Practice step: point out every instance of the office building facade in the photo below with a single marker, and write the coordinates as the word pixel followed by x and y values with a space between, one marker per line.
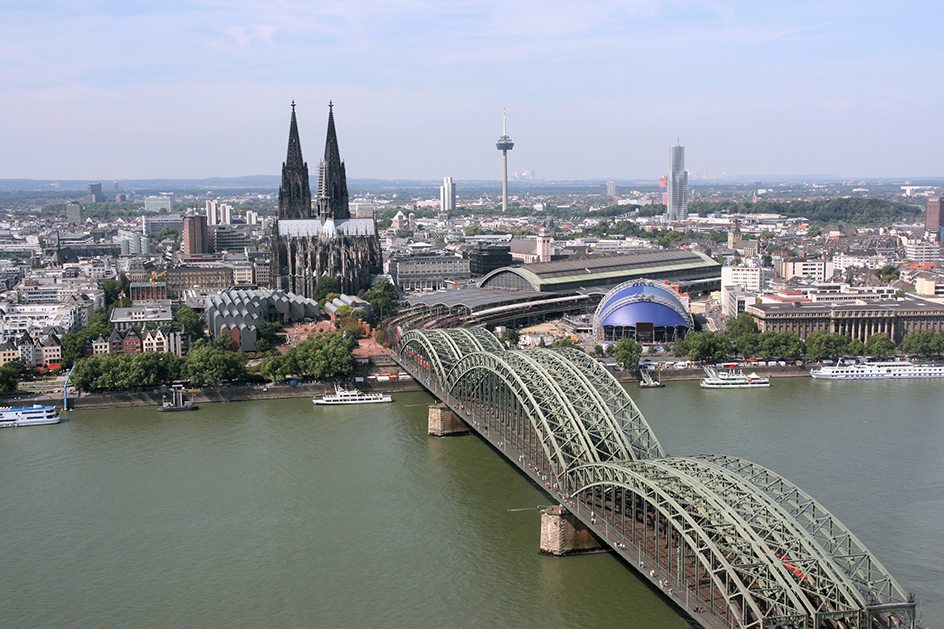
pixel 196 238
pixel 933 219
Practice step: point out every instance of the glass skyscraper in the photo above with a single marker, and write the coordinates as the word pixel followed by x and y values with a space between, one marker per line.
pixel 677 184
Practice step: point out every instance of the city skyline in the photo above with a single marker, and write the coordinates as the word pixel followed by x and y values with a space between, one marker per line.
pixel 107 90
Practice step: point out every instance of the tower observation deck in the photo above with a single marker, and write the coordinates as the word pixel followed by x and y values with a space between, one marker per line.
pixel 504 145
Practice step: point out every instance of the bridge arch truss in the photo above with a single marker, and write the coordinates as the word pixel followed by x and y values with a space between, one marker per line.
pixel 742 543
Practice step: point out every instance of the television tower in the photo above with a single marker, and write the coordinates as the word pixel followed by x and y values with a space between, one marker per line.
pixel 504 145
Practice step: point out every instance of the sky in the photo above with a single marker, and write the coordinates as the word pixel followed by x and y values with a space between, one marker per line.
pixel 109 90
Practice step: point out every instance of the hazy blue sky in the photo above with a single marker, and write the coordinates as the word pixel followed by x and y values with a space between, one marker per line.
pixel 104 90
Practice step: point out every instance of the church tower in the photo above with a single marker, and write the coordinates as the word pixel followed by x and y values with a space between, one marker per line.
pixel 332 180
pixel 295 191
pixel 307 246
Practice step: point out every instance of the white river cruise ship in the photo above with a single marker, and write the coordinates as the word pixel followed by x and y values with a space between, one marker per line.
pixel 889 369
pixel 35 415
pixel 352 396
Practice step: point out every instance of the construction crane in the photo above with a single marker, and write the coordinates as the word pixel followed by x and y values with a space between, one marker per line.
pixel 154 277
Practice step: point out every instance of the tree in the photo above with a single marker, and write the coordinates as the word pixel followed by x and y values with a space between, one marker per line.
pixel 888 273
pixel 748 345
pixel 222 341
pixel 780 345
pixel 566 342
pixel 813 232
pixel 325 286
pixel 381 296
pixel 880 345
pixel 167 232
pixel 627 353
pixel 380 336
pixel 269 332
pixel 736 327
pixel 262 345
pixel 326 356
pixel 699 346
pixel 352 327
pixel 211 364
pixel 822 344
pixel 510 337
pixel 123 371
pixel 113 290
pixel 187 316
pixel 9 378
pixel 923 343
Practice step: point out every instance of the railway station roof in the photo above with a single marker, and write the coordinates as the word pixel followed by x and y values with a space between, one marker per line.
pixel 604 271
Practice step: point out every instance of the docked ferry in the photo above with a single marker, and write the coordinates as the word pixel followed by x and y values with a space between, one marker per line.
pixel 352 396
pixel 889 369
pixel 732 380
pixel 34 415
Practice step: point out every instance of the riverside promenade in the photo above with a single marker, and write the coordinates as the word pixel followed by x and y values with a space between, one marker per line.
pixel 244 393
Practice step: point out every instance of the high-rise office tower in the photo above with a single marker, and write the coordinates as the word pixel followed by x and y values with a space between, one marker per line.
pixel 94 194
pixel 211 212
pixel 934 217
pixel 677 184
pixel 504 145
pixel 447 195
pixel 196 238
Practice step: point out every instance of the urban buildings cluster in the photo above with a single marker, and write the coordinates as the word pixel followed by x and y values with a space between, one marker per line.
pixel 208 252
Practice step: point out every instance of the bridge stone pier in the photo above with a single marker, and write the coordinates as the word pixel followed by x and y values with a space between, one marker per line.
pixel 733 544
pixel 443 422
pixel 562 533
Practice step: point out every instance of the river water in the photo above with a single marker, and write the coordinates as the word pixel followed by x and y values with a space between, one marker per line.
pixel 283 514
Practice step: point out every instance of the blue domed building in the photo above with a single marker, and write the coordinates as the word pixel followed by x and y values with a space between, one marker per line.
pixel 643 310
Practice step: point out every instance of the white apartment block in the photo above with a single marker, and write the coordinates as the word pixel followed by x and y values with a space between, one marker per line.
pixel 36 317
pixel 843 261
pixel 749 277
pixel 819 270
pixel 922 251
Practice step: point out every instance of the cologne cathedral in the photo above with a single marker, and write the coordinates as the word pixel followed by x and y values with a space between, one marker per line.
pixel 309 243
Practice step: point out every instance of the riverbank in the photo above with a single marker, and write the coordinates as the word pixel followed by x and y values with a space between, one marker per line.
pixel 155 397
pixel 245 393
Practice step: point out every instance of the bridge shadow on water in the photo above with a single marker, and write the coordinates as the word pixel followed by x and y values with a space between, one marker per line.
pixel 732 544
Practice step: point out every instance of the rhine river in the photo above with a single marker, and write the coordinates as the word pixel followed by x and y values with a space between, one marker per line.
pixel 283 514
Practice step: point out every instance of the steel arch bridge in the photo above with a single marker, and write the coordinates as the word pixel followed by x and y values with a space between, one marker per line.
pixel 731 542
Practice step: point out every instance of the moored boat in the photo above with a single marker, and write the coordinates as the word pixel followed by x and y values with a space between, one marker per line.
pixel 342 395
pixel 885 369
pixel 732 380
pixel 177 403
pixel 35 415
pixel 647 381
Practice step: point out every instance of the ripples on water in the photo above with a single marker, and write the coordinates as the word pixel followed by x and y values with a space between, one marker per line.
pixel 280 514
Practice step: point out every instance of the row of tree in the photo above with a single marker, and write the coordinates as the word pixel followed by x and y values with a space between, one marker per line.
pixel 854 210
pixel 323 357
pixel 742 337
pixel 205 363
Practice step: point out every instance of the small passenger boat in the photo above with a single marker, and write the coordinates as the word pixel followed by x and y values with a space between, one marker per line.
pixel 342 395
pixel 732 380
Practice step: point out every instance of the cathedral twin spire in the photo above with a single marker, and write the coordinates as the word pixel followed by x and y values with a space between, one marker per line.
pixel 295 191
